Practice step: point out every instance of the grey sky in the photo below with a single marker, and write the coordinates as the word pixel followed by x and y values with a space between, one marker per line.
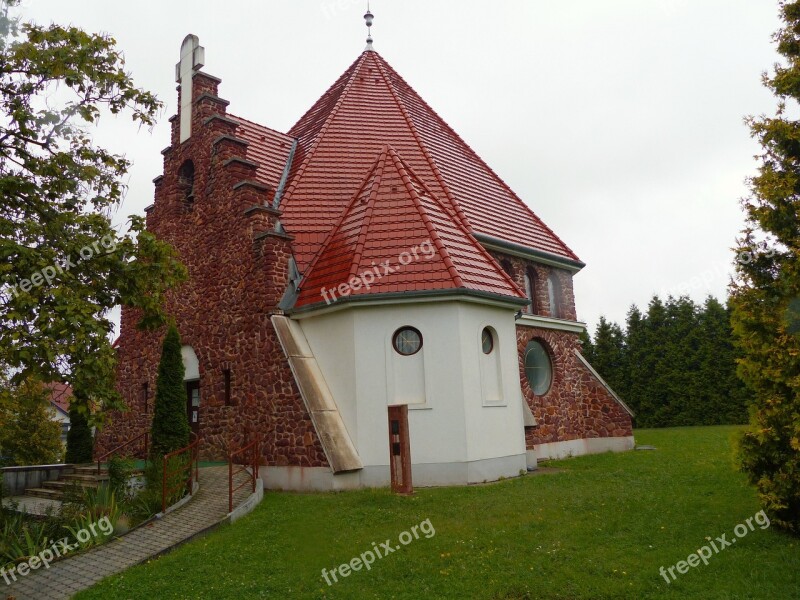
pixel 619 122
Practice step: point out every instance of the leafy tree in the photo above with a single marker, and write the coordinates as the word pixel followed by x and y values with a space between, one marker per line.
pixel 80 441
pixel 765 294
pixel 28 435
pixel 62 264
pixel 170 429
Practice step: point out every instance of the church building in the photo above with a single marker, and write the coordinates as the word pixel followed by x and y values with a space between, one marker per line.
pixel 365 259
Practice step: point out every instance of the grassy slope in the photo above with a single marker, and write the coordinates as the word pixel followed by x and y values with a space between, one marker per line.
pixel 599 529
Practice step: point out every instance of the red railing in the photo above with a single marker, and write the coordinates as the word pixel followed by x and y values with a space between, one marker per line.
pixel 192 466
pixel 145 435
pixel 253 448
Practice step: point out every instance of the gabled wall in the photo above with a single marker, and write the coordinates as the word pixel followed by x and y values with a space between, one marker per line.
pixel 225 234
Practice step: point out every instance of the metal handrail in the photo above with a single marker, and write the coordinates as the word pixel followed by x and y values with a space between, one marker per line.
pixel 145 435
pixel 193 467
pixel 254 460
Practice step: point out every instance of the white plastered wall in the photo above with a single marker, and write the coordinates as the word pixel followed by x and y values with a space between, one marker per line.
pixel 458 434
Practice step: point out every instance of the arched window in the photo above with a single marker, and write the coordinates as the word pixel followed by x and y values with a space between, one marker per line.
pixel 186 180
pixel 530 290
pixel 554 295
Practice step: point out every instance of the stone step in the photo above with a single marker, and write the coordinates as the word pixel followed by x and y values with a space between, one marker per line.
pixel 44 493
pixel 63 485
pixel 82 477
pixel 87 470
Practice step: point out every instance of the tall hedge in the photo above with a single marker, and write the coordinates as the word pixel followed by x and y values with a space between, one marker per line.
pixel 80 441
pixel 170 430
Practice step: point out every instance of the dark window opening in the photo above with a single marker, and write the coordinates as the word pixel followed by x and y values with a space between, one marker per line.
pixel 146 397
pixel 487 340
pixel 531 286
pixel 226 374
pixel 186 181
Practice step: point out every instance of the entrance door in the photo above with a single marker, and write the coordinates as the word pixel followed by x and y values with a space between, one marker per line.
pixel 193 405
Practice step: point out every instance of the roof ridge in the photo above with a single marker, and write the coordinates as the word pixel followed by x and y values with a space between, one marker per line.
pixel 328 119
pixel 475 155
pixel 405 175
pixel 465 230
pixel 324 245
pixel 456 207
pixel 373 195
pixel 257 124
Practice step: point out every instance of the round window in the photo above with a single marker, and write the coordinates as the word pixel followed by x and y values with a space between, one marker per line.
pixel 538 368
pixel 407 341
pixel 487 341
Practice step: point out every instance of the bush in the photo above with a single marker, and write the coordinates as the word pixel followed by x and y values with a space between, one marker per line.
pixel 120 470
pixel 80 442
pixel 28 434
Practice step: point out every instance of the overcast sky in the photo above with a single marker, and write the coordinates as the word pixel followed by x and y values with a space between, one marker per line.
pixel 619 123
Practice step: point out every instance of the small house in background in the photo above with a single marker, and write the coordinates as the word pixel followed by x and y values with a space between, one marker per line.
pixel 60 396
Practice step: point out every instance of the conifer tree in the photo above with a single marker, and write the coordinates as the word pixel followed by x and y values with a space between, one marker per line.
pixel 608 352
pixel 170 429
pixel 767 291
pixel 637 352
pixel 587 348
pixel 80 441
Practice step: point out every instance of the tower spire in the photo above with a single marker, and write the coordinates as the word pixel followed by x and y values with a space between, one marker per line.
pixel 368 17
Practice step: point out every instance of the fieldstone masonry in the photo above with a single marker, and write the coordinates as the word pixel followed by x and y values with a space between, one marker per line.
pixel 224 230
pixel 211 206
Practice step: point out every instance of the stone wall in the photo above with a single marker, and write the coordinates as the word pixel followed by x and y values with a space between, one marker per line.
pixel 225 233
pixel 577 405
pixel 517 267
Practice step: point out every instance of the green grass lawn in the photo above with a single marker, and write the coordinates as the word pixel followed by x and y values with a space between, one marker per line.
pixel 599 528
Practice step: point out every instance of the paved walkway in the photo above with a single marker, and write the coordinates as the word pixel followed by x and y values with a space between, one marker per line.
pixel 67 577
pixel 33 505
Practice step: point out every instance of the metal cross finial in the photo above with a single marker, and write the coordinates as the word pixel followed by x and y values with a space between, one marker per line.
pixel 368 17
pixel 192 59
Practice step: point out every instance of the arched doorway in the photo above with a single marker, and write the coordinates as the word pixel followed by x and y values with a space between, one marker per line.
pixel 191 379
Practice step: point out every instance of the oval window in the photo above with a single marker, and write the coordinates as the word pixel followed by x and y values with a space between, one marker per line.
pixel 538 368
pixel 487 341
pixel 407 341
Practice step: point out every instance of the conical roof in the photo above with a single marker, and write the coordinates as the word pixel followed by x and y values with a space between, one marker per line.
pixel 369 107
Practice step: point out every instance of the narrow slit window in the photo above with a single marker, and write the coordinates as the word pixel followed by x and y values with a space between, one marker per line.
pixel 226 376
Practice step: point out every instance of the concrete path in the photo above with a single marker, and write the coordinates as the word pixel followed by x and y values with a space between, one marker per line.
pixel 69 576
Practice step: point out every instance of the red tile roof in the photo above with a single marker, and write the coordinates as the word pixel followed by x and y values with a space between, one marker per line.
pixel 396 236
pixel 371 106
pixel 268 148
pixel 60 395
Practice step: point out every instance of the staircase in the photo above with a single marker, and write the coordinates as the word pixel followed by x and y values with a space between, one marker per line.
pixel 78 477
